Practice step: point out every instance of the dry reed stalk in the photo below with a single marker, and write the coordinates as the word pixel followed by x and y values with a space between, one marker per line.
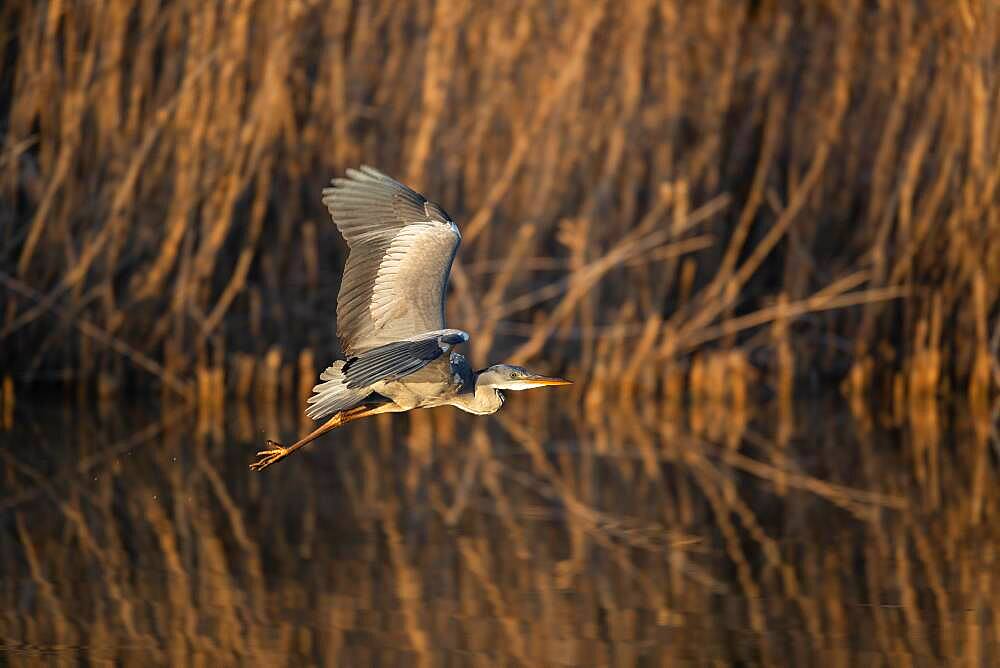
pixel 485 324
pixel 95 333
pixel 979 374
pixel 243 374
pixel 855 501
pixel 307 378
pixel 268 380
pixel 111 572
pixel 62 630
pixel 582 281
pixel 438 68
pixel 267 386
pixel 409 584
pixel 785 366
pixel 818 302
pixel 7 401
pixel 182 620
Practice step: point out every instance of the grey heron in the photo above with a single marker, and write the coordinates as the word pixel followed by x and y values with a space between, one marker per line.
pixel 390 315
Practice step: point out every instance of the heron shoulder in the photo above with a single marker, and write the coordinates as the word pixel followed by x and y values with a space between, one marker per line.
pixel 462 373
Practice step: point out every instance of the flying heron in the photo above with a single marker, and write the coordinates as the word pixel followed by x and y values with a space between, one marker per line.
pixel 390 315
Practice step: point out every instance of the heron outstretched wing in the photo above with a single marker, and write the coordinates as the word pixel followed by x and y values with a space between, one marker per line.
pixel 401 250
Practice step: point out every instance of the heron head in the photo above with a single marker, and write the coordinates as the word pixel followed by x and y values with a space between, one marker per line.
pixel 510 377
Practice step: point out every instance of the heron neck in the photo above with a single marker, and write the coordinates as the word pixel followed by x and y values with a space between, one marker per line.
pixel 485 400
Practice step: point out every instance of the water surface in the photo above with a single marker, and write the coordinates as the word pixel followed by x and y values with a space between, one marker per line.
pixel 543 535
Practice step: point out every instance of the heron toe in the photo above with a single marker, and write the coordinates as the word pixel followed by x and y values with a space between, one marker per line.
pixel 268 457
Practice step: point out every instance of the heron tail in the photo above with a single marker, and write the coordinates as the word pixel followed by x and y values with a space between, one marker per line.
pixel 333 395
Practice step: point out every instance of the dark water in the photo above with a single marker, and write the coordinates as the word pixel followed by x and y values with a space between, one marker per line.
pixel 544 535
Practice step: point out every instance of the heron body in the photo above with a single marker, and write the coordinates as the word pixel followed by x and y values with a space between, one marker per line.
pixel 444 382
pixel 390 315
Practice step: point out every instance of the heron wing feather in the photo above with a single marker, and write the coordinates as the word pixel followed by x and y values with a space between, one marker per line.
pixel 400 358
pixel 333 395
pixel 401 250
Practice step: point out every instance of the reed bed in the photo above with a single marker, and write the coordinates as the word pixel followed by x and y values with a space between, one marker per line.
pixel 808 191
pixel 806 537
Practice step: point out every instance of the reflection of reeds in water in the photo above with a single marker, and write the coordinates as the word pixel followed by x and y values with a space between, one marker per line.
pixel 668 175
pixel 631 536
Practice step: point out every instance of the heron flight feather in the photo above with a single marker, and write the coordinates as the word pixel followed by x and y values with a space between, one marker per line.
pixel 401 250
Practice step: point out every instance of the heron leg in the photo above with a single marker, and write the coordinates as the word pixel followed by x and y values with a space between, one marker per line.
pixel 276 451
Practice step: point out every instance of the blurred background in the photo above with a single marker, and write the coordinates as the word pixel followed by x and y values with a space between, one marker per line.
pixel 763 237
pixel 651 182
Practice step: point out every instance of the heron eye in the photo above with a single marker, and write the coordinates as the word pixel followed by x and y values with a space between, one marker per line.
pixel 513 375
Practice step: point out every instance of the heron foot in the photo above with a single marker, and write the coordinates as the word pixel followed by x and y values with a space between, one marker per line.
pixel 267 457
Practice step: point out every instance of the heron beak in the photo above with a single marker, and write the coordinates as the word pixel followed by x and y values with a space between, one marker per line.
pixel 545 381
